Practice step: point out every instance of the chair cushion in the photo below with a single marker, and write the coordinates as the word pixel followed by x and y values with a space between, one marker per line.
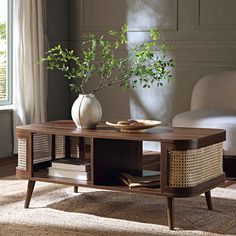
pixel 211 118
pixel 215 91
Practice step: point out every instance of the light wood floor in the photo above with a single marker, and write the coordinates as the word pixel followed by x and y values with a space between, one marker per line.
pixel 150 161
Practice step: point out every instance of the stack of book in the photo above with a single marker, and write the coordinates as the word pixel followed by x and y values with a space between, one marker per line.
pixel 148 178
pixel 70 168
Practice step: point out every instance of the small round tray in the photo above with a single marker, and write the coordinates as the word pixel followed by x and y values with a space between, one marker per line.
pixel 140 126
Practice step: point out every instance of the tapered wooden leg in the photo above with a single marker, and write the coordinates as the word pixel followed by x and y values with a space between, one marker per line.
pixel 29 192
pixel 75 189
pixel 209 200
pixel 170 209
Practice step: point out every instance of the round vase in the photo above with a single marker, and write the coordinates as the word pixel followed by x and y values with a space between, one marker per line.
pixel 86 111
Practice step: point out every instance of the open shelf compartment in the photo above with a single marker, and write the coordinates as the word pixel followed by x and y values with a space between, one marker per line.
pixel 108 159
pixel 37 152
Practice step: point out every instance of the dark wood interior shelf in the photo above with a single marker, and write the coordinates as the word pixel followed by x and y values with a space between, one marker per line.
pixel 44 177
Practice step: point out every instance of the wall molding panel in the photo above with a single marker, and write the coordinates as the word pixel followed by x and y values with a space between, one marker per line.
pixel 203 35
pixel 221 17
pixel 201 64
pixel 139 14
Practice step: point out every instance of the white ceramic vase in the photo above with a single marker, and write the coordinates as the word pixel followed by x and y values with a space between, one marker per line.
pixel 86 111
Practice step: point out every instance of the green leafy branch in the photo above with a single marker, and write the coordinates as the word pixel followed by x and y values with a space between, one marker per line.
pixel 3 31
pixel 145 64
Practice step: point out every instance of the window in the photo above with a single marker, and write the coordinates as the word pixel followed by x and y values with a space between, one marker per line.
pixel 5 52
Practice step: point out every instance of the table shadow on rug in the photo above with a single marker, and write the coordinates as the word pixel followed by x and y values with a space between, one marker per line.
pixel 190 213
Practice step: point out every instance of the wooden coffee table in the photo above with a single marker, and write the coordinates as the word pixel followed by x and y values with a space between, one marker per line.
pixel 191 159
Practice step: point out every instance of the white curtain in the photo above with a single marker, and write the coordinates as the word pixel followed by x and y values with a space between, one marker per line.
pixel 29 76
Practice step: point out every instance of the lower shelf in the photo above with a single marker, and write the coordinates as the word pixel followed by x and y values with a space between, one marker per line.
pixel 43 176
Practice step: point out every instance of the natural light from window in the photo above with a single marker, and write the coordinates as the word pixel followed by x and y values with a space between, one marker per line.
pixel 4 54
pixel 141 15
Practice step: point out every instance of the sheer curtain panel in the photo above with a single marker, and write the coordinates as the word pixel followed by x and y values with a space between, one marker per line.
pixel 29 76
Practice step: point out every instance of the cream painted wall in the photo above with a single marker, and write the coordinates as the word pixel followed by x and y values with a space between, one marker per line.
pixel 203 33
pixel 58 103
pixel 203 36
pixel 6 133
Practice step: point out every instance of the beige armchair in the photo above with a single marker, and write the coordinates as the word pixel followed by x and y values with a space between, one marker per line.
pixel 213 105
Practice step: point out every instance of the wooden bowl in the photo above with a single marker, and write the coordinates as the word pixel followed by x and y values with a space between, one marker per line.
pixel 137 126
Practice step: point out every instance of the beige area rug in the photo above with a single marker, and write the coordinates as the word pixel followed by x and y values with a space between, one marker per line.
pixel 56 210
